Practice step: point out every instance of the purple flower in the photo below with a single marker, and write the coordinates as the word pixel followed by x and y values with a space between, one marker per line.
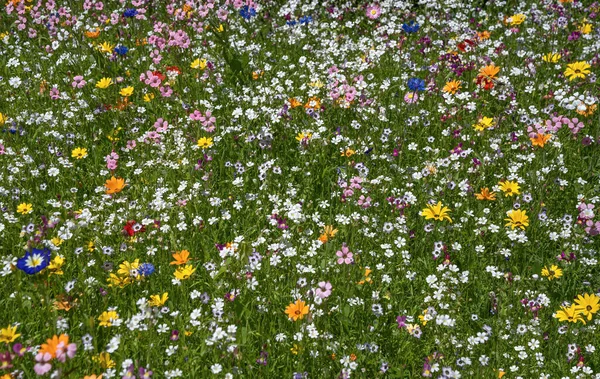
pixel 401 320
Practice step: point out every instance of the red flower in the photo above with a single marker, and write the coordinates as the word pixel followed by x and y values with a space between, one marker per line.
pixel 174 68
pixel 160 75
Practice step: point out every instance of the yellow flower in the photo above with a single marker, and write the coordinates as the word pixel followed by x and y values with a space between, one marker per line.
pixel 126 92
pixel 105 361
pixel 437 212
pixel 158 300
pixel 108 318
pixel 570 314
pixel 348 153
pixel 2 119
pixel 516 19
pixel 452 86
pixel 586 28
pixel 304 136
pixel 297 310
pixel 129 269
pixel 56 264
pixel 8 334
pixel 183 273
pixel 517 219
pixel 483 124
pixel 148 97
pixel 104 83
pixel 119 281
pixel 79 153
pixel 551 57
pixel 198 64
pixel 422 317
pixel 587 305
pixel 205 142
pixel 509 188
pixel 577 70
pixel 106 47
pixel 220 28
pixel 114 185
pixel 24 208
pixel 554 272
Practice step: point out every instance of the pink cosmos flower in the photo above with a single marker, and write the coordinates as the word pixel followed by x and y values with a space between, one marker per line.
pixel 324 290
pixel 344 255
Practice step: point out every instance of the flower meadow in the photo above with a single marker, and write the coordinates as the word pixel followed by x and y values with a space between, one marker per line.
pixel 299 189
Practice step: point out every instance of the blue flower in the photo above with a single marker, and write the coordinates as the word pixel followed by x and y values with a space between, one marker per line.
pixel 34 261
pixel 130 12
pixel 146 269
pixel 411 27
pixel 416 84
pixel 247 12
pixel 305 20
pixel 121 50
pixel 291 22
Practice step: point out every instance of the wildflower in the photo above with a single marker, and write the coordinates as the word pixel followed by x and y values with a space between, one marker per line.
pixel 577 70
pixel 294 103
pixel 540 139
pixel 328 232
pixel 2 119
pixel 553 273
pixel 92 34
pixel 114 185
pixel 303 136
pixel 515 20
pixel 484 123
pixel 129 269
pixel 198 64
pixel 344 255
pixel 570 314
pixel 437 212
pixel 34 261
pixel 24 208
pixel 373 11
pixel 588 305
pixel 54 345
pixel 106 47
pixel 416 84
pixel 183 273
pixel 107 318
pixel 104 83
pixel 181 257
pixel 586 28
pixel 489 71
pixel 297 310
pixel 411 97
pixel 205 142
pixel 8 334
pixel 324 290
pixel 551 57
pixel 517 219
pixel 485 194
pixel 411 27
pixel 126 92
pixel 247 12
pixel 452 86
pixel 509 188
pixel 314 103
pixel 79 153
pixel 367 277
pixel 55 266
pixel 104 360
pixel 148 97
pixel 158 300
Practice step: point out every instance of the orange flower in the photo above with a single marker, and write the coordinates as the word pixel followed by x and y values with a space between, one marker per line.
pixel 114 185
pixel 483 35
pixel 314 103
pixel 540 139
pixel 52 344
pixel 294 103
pixel 181 257
pixel 93 376
pixel 485 194
pixel 489 71
pixel 297 310
pixel 94 34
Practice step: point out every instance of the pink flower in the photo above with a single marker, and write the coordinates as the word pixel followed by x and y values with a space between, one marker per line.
pixel 324 290
pixel 42 366
pixel 196 116
pixel 344 255
pixel 373 11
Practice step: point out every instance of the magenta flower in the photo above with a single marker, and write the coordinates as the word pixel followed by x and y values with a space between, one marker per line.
pixel 344 255
pixel 324 290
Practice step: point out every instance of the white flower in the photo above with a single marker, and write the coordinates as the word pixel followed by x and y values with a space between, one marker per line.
pixel 216 368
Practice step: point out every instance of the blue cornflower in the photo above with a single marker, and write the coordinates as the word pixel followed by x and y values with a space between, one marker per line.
pixel 416 84
pixel 305 20
pixel 411 27
pixel 121 50
pixel 247 12
pixel 34 261
pixel 291 22
pixel 130 12
pixel 146 269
